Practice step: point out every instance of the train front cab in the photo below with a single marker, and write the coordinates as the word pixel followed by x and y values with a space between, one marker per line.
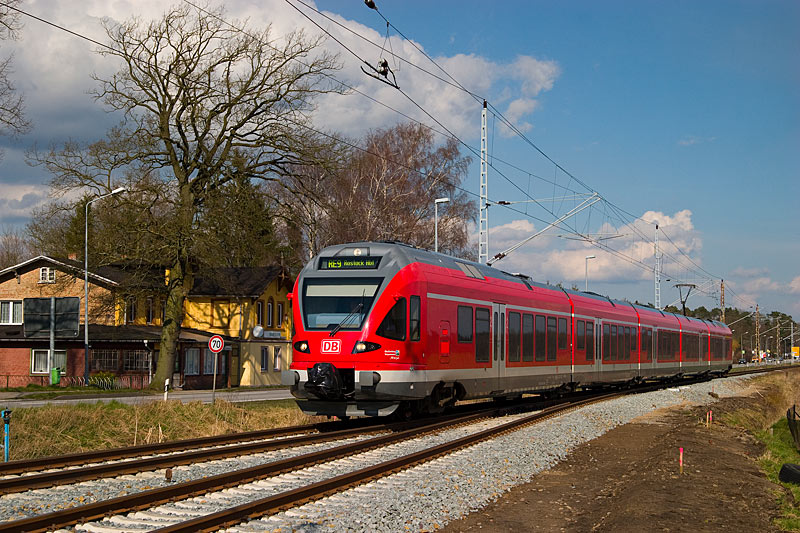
pixel 357 344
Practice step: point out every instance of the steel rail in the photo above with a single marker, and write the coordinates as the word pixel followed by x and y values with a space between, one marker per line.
pixel 93 511
pixel 22 466
pixel 292 498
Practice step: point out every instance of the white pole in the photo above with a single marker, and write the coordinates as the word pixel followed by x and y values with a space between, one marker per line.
pixel 436 221
pixel 586 272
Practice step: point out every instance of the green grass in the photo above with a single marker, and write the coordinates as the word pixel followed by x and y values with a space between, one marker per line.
pixel 781 449
pixel 57 429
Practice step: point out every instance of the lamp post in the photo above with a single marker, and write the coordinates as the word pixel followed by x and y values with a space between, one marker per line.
pixel 436 221
pixel 586 271
pixel 86 281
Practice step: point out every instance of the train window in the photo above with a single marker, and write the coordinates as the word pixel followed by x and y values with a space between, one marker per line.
pixel 589 341
pixel 634 345
pixel 414 318
pixel 394 324
pixel 464 323
pixel 513 336
pixel 606 343
pixel 482 339
pixel 579 333
pixel 614 343
pixel 562 333
pixel 337 302
pixel 645 345
pixel 541 337
pixel 727 353
pixel 527 337
pixel 624 343
pixel 552 340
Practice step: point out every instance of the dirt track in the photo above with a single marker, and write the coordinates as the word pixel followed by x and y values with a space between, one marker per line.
pixel 629 480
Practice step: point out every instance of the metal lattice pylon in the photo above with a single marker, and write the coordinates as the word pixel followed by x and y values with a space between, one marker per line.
pixel 483 214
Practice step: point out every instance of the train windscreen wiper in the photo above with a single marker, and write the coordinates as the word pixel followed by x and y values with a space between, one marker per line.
pixel 335 330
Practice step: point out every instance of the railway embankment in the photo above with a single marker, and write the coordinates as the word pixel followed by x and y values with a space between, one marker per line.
pixel 630 479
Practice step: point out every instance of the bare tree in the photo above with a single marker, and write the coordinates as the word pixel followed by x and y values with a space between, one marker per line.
pixel 205 104
pixel 14 247
pixel 385 190
pixel 12 116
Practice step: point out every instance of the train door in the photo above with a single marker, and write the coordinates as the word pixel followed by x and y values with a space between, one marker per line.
pixel 598 353
pixel 499 340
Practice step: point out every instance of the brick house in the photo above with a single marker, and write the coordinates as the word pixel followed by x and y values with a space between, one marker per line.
pixel 125 328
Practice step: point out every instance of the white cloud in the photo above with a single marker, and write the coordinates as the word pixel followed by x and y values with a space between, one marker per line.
pixel 18 201
pixel 794 285
pixel 548 258
pixel 691 140
pixel 749 272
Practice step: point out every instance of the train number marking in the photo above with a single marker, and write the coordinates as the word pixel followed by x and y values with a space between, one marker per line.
pixel 331 346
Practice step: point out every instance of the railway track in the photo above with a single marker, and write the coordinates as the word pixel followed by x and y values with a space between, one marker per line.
pixel 294 496
pixel 155 497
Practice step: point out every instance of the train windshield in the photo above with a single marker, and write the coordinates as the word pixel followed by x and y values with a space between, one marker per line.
pixel 341 303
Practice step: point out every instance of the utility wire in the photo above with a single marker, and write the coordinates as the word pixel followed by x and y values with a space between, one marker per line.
pixel 472 149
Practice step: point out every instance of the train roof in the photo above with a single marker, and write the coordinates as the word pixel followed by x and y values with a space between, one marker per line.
pixel 402 254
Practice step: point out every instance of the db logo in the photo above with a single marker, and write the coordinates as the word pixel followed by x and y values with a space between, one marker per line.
pixel 331 346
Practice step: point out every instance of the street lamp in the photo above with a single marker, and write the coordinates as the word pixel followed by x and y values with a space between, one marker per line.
pixel 86 281
pixel 436 221
pixel 586 271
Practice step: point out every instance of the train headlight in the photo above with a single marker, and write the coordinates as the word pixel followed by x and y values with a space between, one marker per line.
pixel 365 346
pixel 302 346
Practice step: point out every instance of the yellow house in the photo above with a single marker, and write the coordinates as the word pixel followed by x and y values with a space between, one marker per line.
pixel 247 306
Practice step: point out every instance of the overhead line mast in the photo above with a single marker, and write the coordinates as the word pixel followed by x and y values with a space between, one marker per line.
pixel 483 214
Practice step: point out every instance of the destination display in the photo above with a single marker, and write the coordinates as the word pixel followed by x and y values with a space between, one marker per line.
pixel 349 263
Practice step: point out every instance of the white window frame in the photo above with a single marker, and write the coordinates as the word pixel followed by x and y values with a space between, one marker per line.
pixel 192 355
pixel 59 360
pixel 260 312
pixel 10 306
pixel 130 310
pixel 276 358
pixel 47 275
pixel 279 322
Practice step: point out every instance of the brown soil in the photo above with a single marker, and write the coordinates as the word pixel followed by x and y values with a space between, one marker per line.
pixel 629 480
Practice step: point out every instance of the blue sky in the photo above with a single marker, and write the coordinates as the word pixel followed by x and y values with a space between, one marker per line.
pixel 683 112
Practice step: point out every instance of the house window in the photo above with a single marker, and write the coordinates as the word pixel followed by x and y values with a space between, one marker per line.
pixel 104 360
pixel 47 275
pixel 135 359
pixel 150 311
pixel 191 366
pixel 276 359
pixel 264 358
pixel 39 361
pixel 269 313
pixel 208 362
pixel 260 313
pixel 279 322
pixel 130 311
pixel 11 312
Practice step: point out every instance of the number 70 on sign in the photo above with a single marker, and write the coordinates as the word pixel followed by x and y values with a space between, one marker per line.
pixel 216 344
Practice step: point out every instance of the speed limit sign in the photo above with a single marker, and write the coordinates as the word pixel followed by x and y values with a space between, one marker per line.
pixel 216 344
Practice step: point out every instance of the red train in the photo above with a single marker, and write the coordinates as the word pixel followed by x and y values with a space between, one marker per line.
pixel 379 325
